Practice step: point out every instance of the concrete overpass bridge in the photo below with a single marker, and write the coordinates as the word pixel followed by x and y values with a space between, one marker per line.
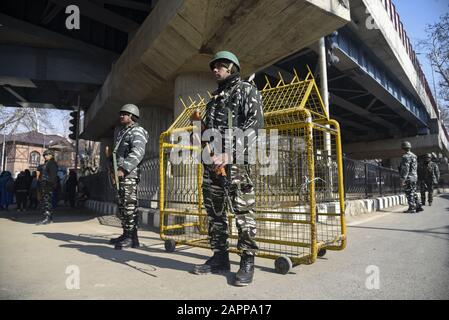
pixel 377 90
pixel 152 52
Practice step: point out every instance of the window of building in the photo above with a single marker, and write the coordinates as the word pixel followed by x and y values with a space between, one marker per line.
pixel 35 159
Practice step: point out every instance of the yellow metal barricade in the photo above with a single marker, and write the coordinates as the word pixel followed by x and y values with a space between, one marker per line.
pixel 299 204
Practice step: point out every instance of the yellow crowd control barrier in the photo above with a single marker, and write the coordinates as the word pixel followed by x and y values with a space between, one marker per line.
pixel 299 206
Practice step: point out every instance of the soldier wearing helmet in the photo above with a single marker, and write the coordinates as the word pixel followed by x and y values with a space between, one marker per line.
pixel 409 176
pixel 428 177
pixel 48 179
pixel 130 140
pixel 236 104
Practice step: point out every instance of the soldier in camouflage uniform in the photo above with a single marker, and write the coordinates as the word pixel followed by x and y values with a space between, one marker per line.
pixel 47 180
pixel 409 176
pixel 244 104
pixel 428 177
pixel 130 140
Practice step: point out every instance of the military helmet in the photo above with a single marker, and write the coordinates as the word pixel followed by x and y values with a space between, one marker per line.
pixel 131 108
pixel 225 55
pixel 406 145
pixel 48 152
pixel 428 156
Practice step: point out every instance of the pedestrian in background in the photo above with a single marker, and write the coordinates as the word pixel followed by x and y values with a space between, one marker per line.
pixel 71 187
pixel 48 180
pixel 6 190
pixel 21 188
pixel 33 191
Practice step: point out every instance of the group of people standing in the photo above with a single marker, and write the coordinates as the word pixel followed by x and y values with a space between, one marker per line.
pixel 423 175
pixel 235 103
pixel 42 186
pixel 24 189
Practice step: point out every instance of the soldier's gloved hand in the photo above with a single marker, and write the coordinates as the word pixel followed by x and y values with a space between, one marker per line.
pixel 220 161
pixel 120 173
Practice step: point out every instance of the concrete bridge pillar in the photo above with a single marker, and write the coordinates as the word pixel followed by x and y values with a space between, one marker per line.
pixel 190 84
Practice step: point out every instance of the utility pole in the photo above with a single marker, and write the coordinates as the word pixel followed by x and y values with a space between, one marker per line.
pixel 77 134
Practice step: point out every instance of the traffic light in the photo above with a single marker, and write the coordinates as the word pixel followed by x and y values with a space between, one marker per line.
pixel 74 121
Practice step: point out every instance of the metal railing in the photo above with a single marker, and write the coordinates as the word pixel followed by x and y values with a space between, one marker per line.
pixel 362 180
pixel 399 27
pixel 365 180
pixel 101 189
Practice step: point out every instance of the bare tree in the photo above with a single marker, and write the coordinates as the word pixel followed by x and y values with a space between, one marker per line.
pixel 24 118
pixel 437 47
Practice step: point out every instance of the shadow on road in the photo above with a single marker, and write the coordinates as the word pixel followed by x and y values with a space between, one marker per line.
pixel 60 215
pixel 435 234
pixel 130 257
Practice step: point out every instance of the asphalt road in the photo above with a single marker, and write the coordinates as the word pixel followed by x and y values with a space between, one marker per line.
pixel 390 255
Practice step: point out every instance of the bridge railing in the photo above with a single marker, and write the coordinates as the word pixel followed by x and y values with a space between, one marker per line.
pixel 364 180
pixel 396 20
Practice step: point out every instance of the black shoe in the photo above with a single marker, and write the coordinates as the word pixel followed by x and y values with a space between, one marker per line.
pixel 419 209
pixel 126 242
pixel 135 238
pixel 246 272
pixel 409 210
pixel 120 238
pixel 47 220
pixel 430 203
pixel 218 263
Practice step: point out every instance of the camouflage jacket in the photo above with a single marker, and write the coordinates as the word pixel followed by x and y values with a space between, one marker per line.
pixel 428 172
pixel 48 172
pixel 245 102
pixel 409 167
pixel 131 148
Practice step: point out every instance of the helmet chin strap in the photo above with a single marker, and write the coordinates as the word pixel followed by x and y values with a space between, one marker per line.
pixel 230 67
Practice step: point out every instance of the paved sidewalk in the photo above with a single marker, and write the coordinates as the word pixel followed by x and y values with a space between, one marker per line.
pixel 38 262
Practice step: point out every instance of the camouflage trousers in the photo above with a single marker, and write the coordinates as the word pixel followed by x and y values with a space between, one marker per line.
pixel 127 203
pixel 423 187
pixel 46 190
pixel 412 196
pixel 242 196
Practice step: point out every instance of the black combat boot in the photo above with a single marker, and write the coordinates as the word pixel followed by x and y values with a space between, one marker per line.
pixel 419 209
pixel 430 203
pixel 119 238
pixel 47 220
pixel 246 272
pixel 410 210
pixel 126 242
pixel 135 239
pixel 218 263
